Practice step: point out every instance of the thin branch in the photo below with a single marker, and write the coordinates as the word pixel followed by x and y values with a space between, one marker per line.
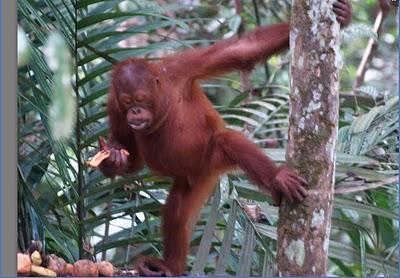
pixel 131 233
pixel 367 186
pixel 258 22
pixel 245 83
pixel 80 205
pixel 372 45
pixel 107 228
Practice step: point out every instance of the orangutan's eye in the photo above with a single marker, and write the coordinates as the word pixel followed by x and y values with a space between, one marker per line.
pixel 126 99
pixel 139 97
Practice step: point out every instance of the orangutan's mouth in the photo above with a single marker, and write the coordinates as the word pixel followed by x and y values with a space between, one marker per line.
pixel 139 124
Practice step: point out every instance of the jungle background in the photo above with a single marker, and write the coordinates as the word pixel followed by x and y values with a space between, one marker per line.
pixel 66 49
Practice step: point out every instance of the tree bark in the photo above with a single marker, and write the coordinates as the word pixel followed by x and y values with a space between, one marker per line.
pixel 304 228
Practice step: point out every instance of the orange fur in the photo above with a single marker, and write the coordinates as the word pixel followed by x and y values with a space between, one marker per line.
pixel 187 139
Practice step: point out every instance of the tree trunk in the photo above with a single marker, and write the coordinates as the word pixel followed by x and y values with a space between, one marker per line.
pixel 304 228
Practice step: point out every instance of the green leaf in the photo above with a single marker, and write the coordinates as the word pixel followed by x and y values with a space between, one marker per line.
pixel 226 242
pixel 205 243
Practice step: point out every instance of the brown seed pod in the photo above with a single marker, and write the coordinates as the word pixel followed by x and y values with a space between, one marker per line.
pixel 69 270
pixel 97 159
pixel 100 156
pixel 42 271
pixel 57 264
pixel 24 264
pixel 85 268
pixel 36 258
pixel 36 245
pixel 105 268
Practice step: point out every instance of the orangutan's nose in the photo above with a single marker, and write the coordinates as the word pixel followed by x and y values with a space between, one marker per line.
pixel 136 110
